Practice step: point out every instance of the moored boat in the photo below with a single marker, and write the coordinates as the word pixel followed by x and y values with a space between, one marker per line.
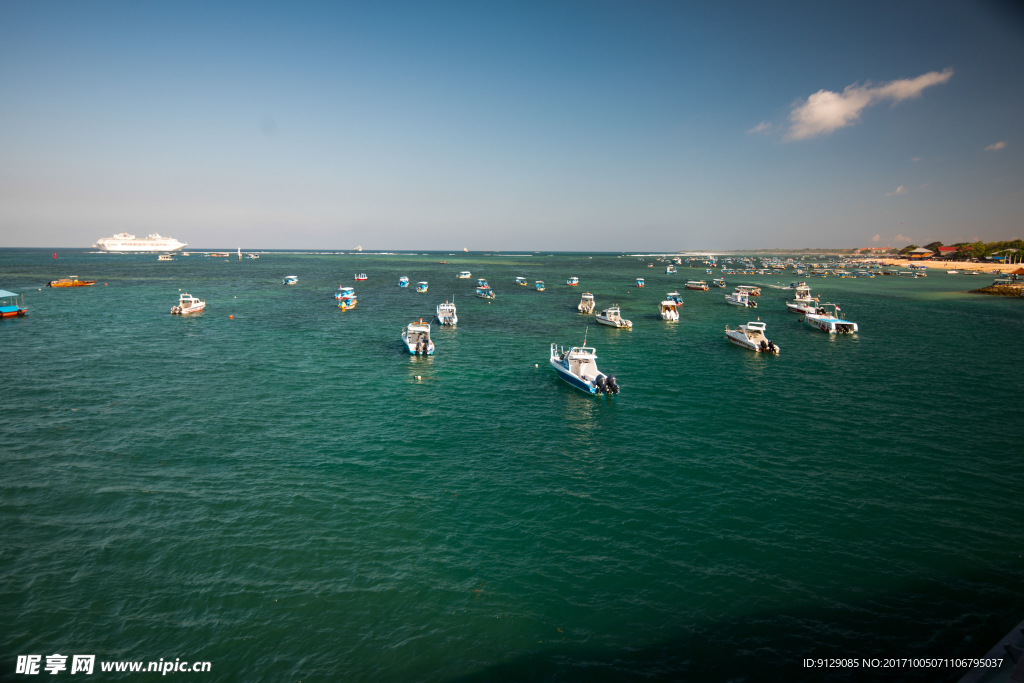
pixel 676 297
pixel 446 314
pixel 360 277
pixel 421 287
pixel 752 337
pixel 803 302
pixel 578 367
pixel 9 306
pixel 187 304
pixel 830 322
pixel 539 285
pixel 403 281
pixel 586 304
pixel 521 281
pixel 482 282
pixel 573 281
pixel 670 270
pixel 668 310
pixel 464 275
pixel 346 297
pixel 416 337
pixel 612 317
pixel 70 281
pixel 749 289
pixel 718 282
pixel 740 298
pixel 164 257
pixel 639 282
pixel 485 292
pixel 290 280
pixel 697 284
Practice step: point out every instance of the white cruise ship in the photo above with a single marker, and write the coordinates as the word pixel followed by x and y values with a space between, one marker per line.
pixel 126 242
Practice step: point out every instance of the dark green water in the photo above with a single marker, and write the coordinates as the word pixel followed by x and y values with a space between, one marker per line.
pixel 279 495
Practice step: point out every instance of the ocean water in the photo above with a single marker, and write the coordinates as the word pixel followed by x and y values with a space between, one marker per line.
pixel 290 496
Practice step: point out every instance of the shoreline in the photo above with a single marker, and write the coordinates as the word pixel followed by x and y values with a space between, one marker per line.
pixel 951 265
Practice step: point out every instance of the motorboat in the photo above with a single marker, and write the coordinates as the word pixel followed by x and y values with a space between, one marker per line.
pixel 485 292
pixel 708 272
pixel 416 337
pixel 539 285
pixel 697 284
pixel 345 293
pixel 749 289
pixel 718 282
pixel 578 367
pixel 361 276
pixel 482 282
pixel 464 275
pixel 586 304
pixel 612 317
pixel 639 282
pixel 829 321
pixel 670 270
pixel 521 281
pixel 290 280
pixel 668 310
pixel 11 308
pixel 421 287
pixel 573 281
pixel 164 257
pixel 676 297
pixel 403 281
pixel 348 303
pixel 952 272
pixel 803 302
pixel 446 314
pixel 740 298
pixel 751 336
pixel 187 304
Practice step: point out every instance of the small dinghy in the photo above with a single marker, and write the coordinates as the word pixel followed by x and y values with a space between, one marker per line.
pixel 578 367
pixel 751 336
pixel 187 304
pixel 416 337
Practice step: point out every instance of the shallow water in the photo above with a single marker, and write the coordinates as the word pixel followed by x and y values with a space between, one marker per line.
pixel 279 494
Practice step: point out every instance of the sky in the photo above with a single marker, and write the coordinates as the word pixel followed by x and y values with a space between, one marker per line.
pixel 595 126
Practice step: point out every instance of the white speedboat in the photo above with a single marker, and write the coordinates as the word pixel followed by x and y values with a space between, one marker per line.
pixel 740 298
pixel 803 302
pixel 578 367
pixel 290 280
pixel 829 321
pixel 586 303
pixel 187 304
pixel 403 281
pixel 416 337
pixel 952 272
pixel 421 287
pixel 697 284
pixel 668 310
pixel 573 281
pixel 612 317
pixel 464 275
pixel 751 336
pixel 446 314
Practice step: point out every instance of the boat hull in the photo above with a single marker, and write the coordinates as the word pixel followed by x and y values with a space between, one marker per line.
pixel 572 379
pixel 829 325
pixel 615 323
pixel 71 283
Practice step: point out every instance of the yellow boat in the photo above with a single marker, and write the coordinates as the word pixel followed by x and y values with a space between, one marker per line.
pixel 70 282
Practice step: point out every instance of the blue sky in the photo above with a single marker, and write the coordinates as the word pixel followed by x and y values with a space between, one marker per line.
pixel 549 125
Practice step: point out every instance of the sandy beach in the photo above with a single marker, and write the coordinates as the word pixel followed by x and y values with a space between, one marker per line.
pixel 953 265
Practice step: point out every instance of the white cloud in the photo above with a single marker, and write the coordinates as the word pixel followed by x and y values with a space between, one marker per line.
pixel 899 190
pixel 876 238
pixel 901 238
pixel 994 147
pixel 826 111
pixel 763 127
pixel 915 159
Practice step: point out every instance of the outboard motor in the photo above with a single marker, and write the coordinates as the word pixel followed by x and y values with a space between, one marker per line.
pixel 601 383
pixel 612 386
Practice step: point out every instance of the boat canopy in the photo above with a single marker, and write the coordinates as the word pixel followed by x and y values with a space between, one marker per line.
pixel 756 326
pixel 4 293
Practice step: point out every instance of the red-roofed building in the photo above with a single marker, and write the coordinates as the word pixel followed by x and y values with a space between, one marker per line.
pixel 945 252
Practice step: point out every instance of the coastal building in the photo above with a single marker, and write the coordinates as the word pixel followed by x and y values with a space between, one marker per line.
pixel 946 252
pixel 920 253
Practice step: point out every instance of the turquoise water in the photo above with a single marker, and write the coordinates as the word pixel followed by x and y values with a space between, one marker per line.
pixel 280 495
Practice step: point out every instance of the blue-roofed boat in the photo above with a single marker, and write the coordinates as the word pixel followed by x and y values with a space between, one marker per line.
pixel 403 281
pixel 346 297
pixel 421 287
pixel 9 307
pixel 639 282
pixel 675 297
pixel 539 285
pixel 485 292
pixel 578 367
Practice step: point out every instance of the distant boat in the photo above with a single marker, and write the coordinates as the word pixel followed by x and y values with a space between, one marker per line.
pixel 639 282
pixel 539 285
pixel 164 257
pixel 421 287
pixel 749 289
pixel 403 281
pixel 578 367
pixel 10 308
pixel 752 337
pixel 416 337
pixel 521 281
pixel 345 293
pixel 586 304
pixel 670 270
pixel 70 281
pixel 187 304
pixel 361 276
pixel 718 282
pixel 573 281
pixel 830 323
pixel 697 284
pixel 482 282
pixel 290 280
pixel 952 272
pixel 740 298
pixel 446 314
pixel 464 275
pixel 485 292
pixel 668 310
pixel 675 297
